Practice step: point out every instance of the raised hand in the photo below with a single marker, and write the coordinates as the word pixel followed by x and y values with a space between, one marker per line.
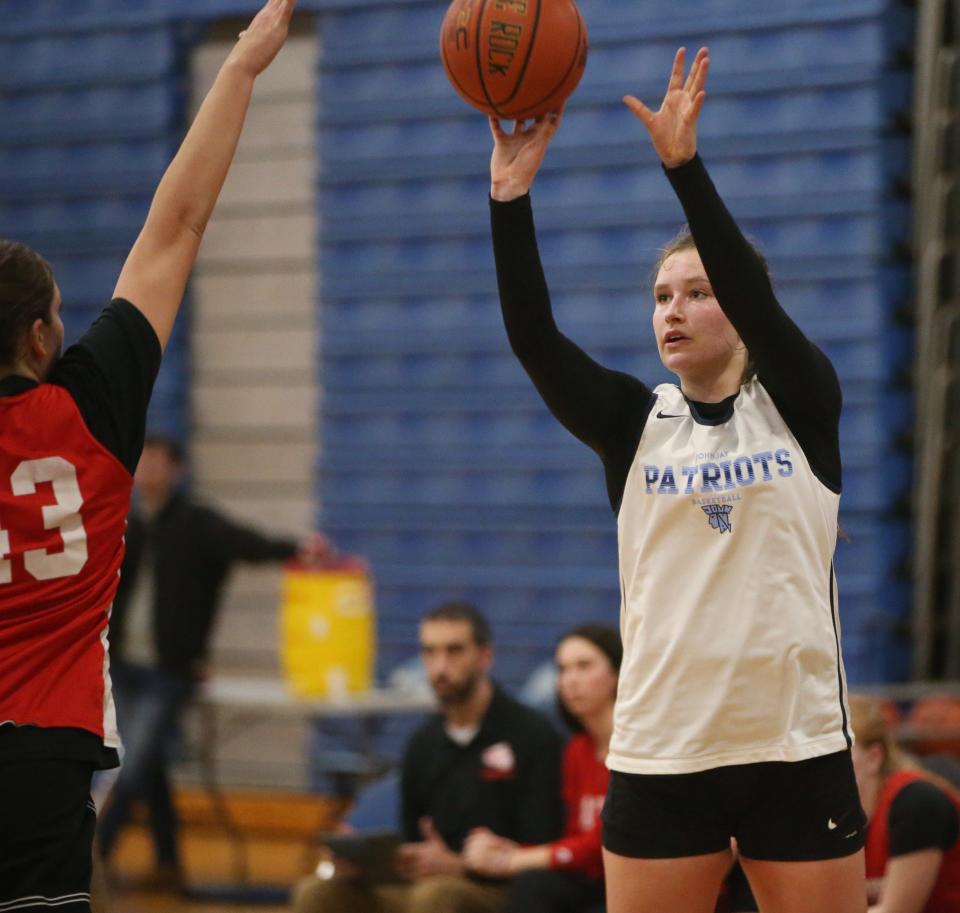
pixel 673 129
pixel 517 156
pixel 263 38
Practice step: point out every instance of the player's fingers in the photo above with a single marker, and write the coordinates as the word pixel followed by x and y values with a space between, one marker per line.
pixel 496 128
pixel 692 74
pixel 695 67
pixel 676 74
pixel 702 73
pixel 694 110
pixel 703 67
pixel 639 109
pixel 555 117
pixel 547 123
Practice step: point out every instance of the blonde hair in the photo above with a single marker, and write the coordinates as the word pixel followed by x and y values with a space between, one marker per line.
pixel 871 727
pixel 869 721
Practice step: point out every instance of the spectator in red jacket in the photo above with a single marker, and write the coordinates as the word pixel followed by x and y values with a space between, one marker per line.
pixel 913 853
pixel 566 876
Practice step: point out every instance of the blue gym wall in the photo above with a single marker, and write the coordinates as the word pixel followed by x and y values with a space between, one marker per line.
pixel 439 461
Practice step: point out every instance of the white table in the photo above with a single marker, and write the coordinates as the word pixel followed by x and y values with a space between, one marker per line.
pixel 229 692
pixel 246 699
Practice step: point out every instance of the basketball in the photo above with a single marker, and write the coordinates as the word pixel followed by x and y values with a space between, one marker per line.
pixel 515 59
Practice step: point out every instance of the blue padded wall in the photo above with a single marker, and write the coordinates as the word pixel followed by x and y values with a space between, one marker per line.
pixel 439 460
pixel 92 109
pixel 90 114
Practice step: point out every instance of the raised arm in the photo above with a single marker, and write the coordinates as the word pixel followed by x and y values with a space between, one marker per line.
pixel 603 408
pixel 155 273
pixel 795 372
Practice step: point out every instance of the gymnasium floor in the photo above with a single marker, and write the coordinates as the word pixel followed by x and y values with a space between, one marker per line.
pixel 274 845
pixel 164 903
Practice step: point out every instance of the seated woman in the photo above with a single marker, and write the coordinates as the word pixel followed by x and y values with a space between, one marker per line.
pixel 913 854
pixel 566 876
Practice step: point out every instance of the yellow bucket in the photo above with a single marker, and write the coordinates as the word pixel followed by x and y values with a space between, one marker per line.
pixel 327 636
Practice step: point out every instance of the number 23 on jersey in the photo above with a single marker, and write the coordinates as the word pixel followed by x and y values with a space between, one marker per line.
pixel 63 515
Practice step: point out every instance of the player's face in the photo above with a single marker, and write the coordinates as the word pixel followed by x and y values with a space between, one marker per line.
pixel 694 336
pixel 586 681
pixel 454 662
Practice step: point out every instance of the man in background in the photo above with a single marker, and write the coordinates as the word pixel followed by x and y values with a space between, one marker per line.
pixel 178 555
pixel 484 761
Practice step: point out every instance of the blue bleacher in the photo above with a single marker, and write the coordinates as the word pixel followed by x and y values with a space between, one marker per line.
pixel 432 422
pixel 439 461
pixel 99 56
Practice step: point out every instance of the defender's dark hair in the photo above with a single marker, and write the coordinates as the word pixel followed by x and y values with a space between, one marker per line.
pixel 26 294
pixel 606 639
pixel 462 611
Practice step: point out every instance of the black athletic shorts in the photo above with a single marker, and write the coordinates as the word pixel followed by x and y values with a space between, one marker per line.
pixel 46 835
pixel 797 811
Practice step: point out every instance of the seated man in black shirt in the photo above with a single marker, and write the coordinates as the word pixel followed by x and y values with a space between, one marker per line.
pixel 483 761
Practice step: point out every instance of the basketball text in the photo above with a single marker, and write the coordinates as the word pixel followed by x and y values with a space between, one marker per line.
pixel 502 43
pixel 458 33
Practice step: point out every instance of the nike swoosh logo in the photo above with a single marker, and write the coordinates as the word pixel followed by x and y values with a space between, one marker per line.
pixel 668 415
pixel 831 824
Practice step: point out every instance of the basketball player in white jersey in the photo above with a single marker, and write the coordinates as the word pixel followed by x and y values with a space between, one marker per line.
pixel 731 717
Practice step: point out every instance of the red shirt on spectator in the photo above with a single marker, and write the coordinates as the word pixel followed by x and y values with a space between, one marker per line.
pixel 945 896
pixel 584 789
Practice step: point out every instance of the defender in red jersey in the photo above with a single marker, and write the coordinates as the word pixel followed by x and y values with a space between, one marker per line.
pixel 71 431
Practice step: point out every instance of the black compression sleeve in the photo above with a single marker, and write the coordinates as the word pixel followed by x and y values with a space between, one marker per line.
pixel 110 373
pixel 798 376
pixel 605 409
pixel 922 817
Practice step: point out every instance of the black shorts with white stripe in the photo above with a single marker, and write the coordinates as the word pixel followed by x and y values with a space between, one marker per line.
pixel 47 821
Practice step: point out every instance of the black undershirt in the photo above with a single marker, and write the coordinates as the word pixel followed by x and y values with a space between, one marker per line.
pixel 607 410
pixel 109 373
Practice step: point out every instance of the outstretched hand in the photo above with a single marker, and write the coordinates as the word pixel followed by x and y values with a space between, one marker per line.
pixel 673 129
pixel 517 156
pixel 260 42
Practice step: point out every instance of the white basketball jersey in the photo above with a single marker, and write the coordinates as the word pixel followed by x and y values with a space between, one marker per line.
pixel 728 600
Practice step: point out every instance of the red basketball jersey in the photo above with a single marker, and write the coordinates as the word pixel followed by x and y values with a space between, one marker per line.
pixel 64 500
pixel 945 896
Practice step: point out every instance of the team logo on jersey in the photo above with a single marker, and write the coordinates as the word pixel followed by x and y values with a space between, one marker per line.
pixel 499 762
pixel 719 516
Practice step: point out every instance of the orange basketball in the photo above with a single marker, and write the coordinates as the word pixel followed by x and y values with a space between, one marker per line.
pixel 516 59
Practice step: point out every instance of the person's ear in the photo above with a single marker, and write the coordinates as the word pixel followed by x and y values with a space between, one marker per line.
pixel 486 652
pixel 37 339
